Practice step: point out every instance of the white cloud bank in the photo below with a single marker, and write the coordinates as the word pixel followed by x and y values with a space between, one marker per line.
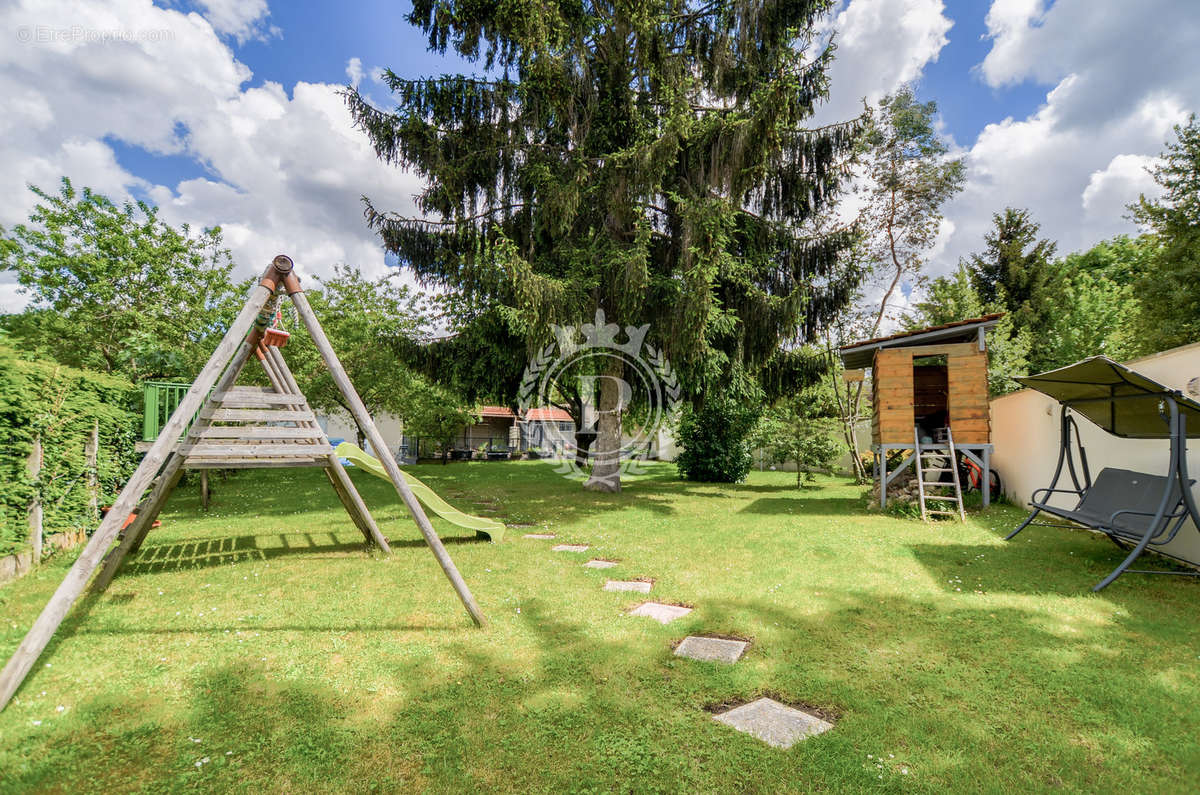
pixel 285 171
pixel 1122 74
pixel 285 168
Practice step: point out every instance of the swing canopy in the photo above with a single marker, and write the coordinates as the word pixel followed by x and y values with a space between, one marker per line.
pixel 1108 393
pixel 1134 509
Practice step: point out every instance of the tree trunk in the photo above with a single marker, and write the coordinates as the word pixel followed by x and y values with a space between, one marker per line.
pixel 583 443
pixel 446 451
pixel 606 458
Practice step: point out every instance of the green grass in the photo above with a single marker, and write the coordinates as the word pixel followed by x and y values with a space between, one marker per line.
pixel 264 630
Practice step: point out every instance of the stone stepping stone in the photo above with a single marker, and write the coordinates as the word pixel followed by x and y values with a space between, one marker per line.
pixel 640 586
pixel 600 564
pixel 663 614
pixel 696 647
pixel 775 724
pixel 569 548
pixel 539 535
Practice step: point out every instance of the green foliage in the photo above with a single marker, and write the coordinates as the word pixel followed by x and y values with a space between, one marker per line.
pixel 803 429
pixel 649 160
pixel 954 297
pixel 1088 307
pixel 433 411
pixel 714 438
pixel 1017 273
pixel 59 405
pixel 1095 302
pixel 909 178
pixel 366 320
pixel 116 289
pixel 1169 291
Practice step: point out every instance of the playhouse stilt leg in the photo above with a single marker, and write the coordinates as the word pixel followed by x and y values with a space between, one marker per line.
pixel 987 477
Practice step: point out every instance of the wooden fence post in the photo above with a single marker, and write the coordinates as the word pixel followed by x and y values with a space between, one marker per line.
pixel 92 455
pixel 34 469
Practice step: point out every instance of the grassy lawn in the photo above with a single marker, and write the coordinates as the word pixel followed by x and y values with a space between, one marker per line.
pixel 262 638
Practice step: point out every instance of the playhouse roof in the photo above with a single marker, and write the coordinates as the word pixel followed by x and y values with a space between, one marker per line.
pixel 861 354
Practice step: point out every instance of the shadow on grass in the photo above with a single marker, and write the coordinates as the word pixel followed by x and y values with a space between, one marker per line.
pixel 809 504
pixel 1046 561
pixel 208 552
pixel 948 681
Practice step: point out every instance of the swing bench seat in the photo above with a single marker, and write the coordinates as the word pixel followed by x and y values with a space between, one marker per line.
pixel 1122 504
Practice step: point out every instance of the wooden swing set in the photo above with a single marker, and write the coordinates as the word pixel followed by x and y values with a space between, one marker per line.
pixel 234 428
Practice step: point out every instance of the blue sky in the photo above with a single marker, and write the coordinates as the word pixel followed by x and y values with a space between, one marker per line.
pixel 318 38
pixel 226 112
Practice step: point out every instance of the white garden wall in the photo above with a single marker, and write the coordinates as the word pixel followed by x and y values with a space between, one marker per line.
pixel 1025 439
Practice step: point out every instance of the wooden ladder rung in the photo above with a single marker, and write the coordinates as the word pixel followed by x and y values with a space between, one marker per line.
pixel 940 497
pixel 941 513
pixel 253 463
pixel 264 450
pixel 255 399
pixel 257 416
pixel 256 432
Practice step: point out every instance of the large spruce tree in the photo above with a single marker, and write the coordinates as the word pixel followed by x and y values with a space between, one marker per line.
pixel 647 158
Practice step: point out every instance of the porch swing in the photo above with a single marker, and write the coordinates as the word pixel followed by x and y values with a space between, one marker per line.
pixel 1134 509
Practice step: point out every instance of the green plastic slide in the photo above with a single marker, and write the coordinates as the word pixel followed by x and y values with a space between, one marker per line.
pixel 490 528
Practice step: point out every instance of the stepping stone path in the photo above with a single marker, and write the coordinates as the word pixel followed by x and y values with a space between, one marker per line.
pixel 775 724
pixel 663 614
pixel 720 650
pixel 778 725
pixel 628 585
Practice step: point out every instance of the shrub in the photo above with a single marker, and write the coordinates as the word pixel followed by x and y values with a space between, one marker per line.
pixel 714 440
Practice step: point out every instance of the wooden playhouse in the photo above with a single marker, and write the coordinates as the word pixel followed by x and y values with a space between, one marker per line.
pixel 925 381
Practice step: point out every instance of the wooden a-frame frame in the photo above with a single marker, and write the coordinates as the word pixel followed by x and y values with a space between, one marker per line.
pixel 210 443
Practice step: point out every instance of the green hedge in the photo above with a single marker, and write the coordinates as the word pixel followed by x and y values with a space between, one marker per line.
pixel 59 404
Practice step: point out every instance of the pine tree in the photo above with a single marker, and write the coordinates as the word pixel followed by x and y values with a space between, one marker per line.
pixel 1015 273
pixel 649 159
pixel 1169 292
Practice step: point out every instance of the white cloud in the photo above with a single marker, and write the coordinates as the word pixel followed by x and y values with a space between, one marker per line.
pixel 284 172
pixel 1121 77
pixel 881 44
pixel 242 19
pixel 354 71
pixel 1108 191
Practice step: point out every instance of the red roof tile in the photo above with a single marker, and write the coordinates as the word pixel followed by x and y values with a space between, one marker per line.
pixel 547 415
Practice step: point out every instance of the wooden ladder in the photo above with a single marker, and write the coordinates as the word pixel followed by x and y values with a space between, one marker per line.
pixel 922 470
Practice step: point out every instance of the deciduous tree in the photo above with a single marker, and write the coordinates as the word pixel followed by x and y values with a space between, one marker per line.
pixel 117 289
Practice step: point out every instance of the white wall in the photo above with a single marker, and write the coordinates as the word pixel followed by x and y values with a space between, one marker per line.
pixel 339 424
pixel 1025 439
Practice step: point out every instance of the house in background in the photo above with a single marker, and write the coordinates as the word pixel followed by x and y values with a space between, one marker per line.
pixel 547 429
